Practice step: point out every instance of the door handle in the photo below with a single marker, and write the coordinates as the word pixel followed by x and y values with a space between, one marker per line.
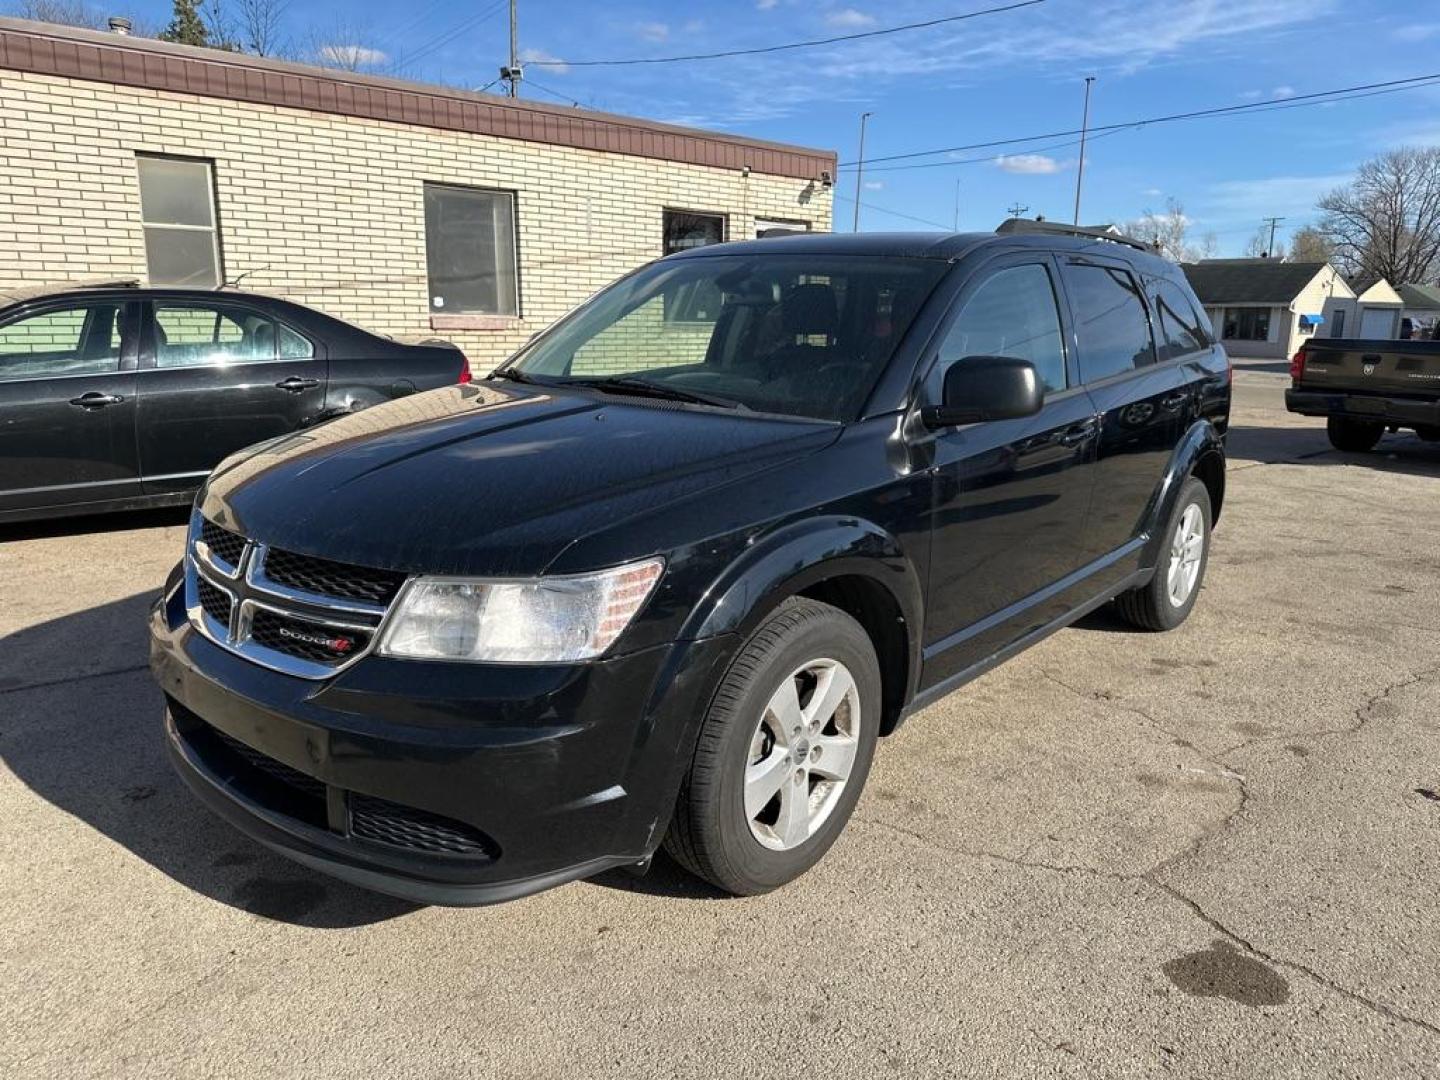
pixel 96 400
pixel 1077 434
pixel 1174 401
pixel 294 384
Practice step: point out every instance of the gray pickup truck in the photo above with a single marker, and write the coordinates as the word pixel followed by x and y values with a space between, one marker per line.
pixel 1366 388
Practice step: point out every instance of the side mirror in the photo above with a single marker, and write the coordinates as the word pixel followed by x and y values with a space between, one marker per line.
pixel 979 388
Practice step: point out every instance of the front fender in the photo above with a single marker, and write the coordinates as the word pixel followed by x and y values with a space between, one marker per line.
pixel 1201 451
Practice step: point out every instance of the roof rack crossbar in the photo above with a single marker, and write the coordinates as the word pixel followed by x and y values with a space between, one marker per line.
pixel 1057 228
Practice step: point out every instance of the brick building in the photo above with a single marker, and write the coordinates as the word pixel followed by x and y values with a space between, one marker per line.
pixel 412 210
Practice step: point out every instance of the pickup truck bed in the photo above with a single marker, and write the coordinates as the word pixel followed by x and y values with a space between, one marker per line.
pixel 1366 388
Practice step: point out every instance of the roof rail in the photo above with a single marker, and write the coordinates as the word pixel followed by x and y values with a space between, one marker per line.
pixel 1055 228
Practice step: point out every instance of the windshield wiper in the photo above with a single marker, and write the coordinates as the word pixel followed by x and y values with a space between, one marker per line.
pixel 629 384
pixel 516 375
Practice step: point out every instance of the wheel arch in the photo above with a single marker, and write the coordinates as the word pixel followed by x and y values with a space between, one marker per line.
pixel 848 563
pixel 1199 453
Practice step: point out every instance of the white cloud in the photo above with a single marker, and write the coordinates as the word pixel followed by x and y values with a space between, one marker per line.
pixel 767 5
pixel 1416 32
pixel 1283 91
pixel 1149 192
pixel 849 19
pixel 652 31
pixel 1028 164
pixel 874 185
pixel 553 64
pixel 355 56
pixel 1241 201
pixel 1250 95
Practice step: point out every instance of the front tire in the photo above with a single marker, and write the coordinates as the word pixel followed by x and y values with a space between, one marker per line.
pixel 783 752
pixel 1168 598
pixel 1353 436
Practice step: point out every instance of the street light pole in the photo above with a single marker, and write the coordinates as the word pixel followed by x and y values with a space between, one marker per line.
pixel 1084 131
pixel 514 49
pixel 860 172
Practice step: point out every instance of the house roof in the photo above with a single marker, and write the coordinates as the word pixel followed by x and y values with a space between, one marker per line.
pixel 1420 297
pixel 1250 281
pixel 123 60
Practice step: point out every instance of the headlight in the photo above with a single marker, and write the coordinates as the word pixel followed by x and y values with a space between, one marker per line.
pixel 542 620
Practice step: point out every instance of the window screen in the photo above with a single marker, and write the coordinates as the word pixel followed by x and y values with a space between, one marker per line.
pixel 177 212
pixel 470 250
pixel 1111 327
pixel 1012 314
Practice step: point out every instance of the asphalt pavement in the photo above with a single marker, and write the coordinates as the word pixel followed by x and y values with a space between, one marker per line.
pixel 1210 853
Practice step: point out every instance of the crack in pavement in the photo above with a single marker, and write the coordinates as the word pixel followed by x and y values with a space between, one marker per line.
pixel 74 679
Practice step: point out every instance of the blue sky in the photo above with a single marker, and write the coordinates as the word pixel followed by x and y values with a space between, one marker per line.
pixel 994 77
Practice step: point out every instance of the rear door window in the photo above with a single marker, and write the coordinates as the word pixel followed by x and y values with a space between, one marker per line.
pixel 197 334
pixel 80 340
pixel 1111 326
pixel 1183 330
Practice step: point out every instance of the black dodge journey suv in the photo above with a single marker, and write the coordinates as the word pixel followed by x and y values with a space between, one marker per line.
pixel 667 574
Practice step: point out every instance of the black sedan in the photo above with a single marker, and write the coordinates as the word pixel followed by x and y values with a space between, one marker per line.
pixel 114 397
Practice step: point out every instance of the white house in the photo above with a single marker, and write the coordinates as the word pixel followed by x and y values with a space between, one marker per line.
pixel 1380 308
pixel 1268 308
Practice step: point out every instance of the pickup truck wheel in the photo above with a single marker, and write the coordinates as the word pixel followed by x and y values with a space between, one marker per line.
pixel 1429 432
pixel 1165 602
pixel 1354 436
pixel 783 752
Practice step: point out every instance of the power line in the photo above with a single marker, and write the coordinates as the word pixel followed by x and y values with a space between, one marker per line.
pixel 789 45
pixel 1291 102
pixel 553 93
pixel 895 213
pixel 440 40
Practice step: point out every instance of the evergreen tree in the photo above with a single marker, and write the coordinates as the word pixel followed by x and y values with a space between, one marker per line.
pixel 187 27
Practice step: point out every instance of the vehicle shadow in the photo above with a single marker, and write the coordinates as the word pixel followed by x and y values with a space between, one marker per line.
pixel 91 743
pixel 665 878
pixel 1401 453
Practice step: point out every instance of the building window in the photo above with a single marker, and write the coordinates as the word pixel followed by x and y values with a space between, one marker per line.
pixel 177 212
pixel 470 251
pixel 764 225
pixel 1247 324
pixel 685 230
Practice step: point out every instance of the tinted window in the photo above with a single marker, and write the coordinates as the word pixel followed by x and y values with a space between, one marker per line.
pixel 1012 314
pixel 470 250
pixel 1110 322
pixel 801 336
pixel 1181 326
pixel 189 334
pixel 68 341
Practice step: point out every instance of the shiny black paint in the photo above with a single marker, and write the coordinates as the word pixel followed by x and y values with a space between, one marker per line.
pixel 978 539
pixel 170 426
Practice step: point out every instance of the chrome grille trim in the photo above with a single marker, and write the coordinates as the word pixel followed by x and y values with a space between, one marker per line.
pixel 249 590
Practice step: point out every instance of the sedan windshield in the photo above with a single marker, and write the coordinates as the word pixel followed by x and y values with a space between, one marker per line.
pixel 788 334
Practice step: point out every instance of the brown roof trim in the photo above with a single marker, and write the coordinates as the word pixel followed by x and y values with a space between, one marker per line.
pixel 46 49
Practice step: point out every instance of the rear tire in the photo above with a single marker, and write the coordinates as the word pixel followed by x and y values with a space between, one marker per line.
pixel 1428 432
pixel 783 752
pixel 1353 436
pixel 1166 600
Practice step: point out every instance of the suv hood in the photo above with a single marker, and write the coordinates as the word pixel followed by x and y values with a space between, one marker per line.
pixel 487 479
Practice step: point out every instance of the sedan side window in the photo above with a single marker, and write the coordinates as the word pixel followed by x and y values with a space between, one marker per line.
pixel 1111 326
pixel 1013 313
pixel 67 341
pixel 191 334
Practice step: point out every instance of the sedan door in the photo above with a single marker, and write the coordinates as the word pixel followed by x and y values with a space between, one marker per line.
pixel 1011 496
pixel 215 376
pixel 67 405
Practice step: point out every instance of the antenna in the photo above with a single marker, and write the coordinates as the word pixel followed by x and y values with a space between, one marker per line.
pixel 1017 209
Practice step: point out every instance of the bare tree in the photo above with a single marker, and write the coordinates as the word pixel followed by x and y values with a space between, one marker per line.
pixel 260 26
pixel 1309 244
pixel 1258 246
pixel 345 44
pixel 64 12
pixel 1386 222
pixel 1169 232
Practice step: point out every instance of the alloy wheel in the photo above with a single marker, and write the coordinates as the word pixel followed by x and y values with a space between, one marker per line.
pixel 1186 548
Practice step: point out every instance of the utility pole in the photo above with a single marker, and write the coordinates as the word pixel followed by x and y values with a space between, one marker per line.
pixel 1084 131
pixel 514 70
pixel 860 172
pixel 1017 209
pixel 1270 250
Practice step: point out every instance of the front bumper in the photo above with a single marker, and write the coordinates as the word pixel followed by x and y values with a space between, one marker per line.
pixel 442 783
pixel 1405 412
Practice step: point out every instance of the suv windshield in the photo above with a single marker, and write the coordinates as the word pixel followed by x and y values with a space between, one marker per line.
pixel 794 335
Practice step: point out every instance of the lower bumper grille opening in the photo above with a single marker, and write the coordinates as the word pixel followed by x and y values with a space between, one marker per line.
pixel 385 822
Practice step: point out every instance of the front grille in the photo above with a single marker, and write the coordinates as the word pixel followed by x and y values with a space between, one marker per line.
pixel 215 601
pixel 386 822
pixel 223 544
pixel 326 578
pixel 305 640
